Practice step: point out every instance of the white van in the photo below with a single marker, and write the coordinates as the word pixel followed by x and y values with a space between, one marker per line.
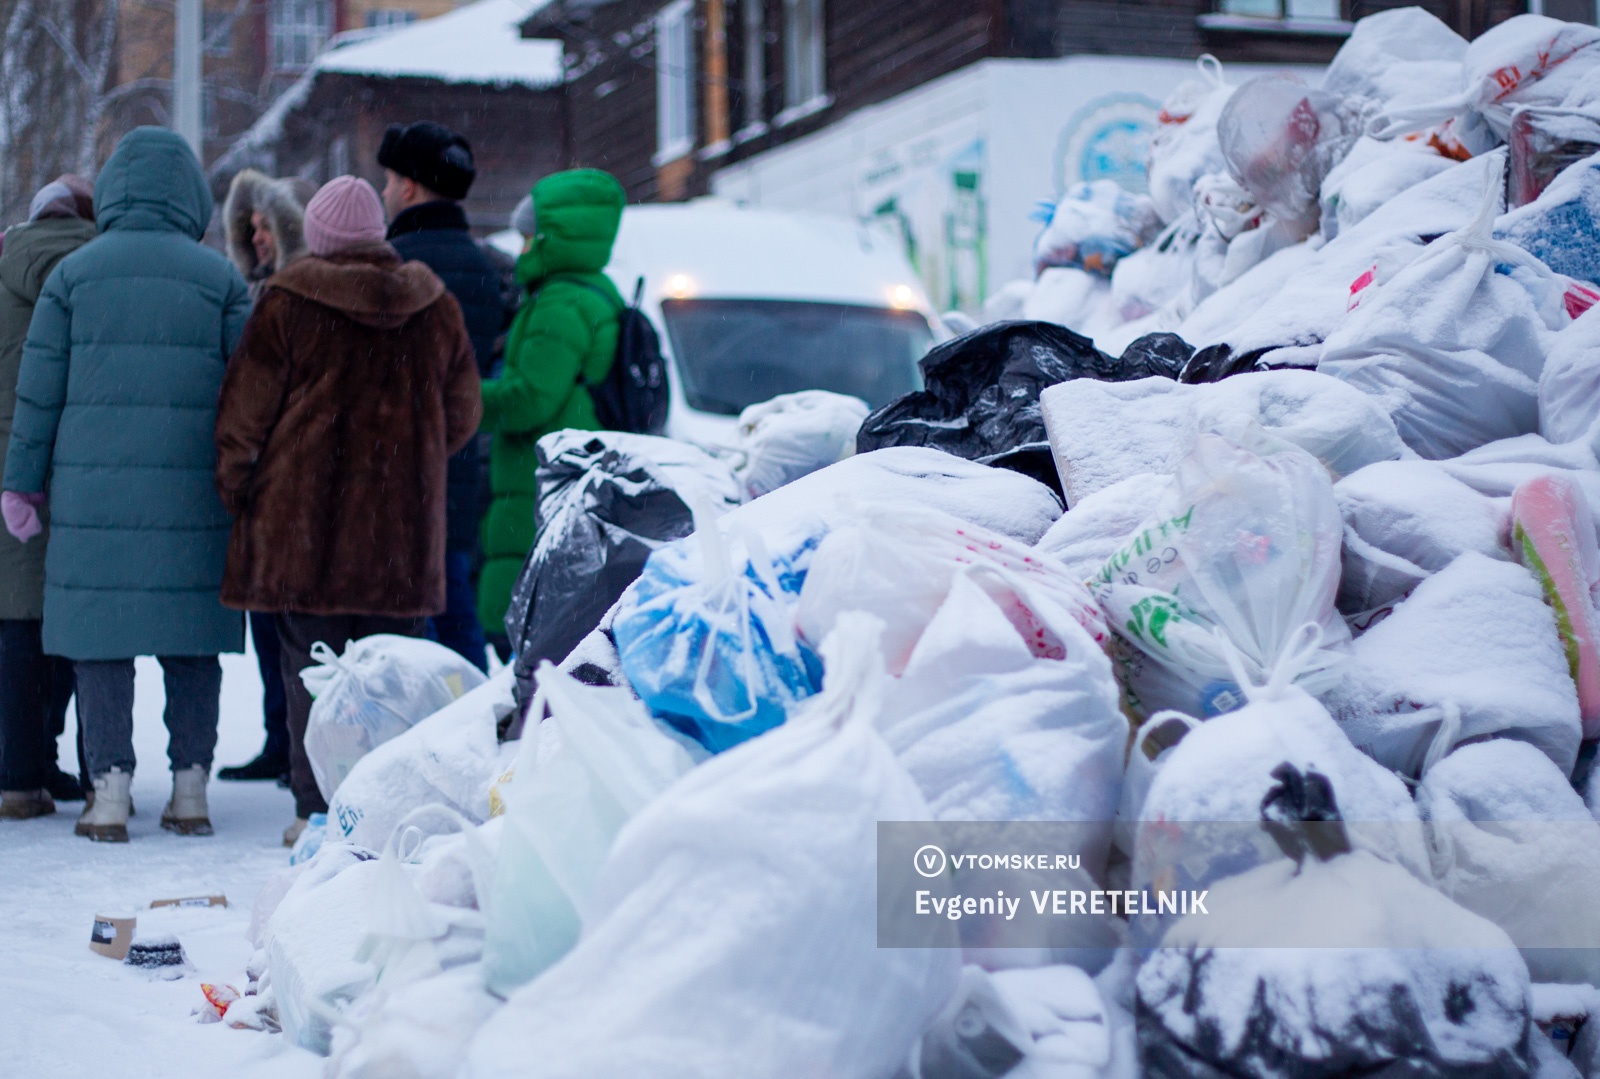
pixel 753 303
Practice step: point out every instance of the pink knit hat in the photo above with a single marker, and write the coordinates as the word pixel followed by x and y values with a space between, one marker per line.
pixel 345 213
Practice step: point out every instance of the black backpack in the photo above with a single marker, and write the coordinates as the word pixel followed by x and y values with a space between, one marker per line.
pixel 633 395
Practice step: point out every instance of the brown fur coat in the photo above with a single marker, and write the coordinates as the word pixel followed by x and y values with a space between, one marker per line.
pixel 353 383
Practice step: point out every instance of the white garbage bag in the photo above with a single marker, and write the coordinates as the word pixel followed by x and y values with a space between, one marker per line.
pixel 1103 432
pixel 1240 556
pixel 1454 344
pixel 732 931
pixel 1092 530
pixel 379 688
pixel 1569 386
pixel 897 563
pixel 418 1031
pixel 447 759
pixel 1403 522
pixel 1185 146
pixel 991 729
pixel 793 435
pixel 593 762
pixel 1511 840
pixel 1472 652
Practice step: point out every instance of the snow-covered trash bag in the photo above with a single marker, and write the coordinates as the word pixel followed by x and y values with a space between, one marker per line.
pixel 998 499
pixel 733 930
pixel 1397 57
pixel 1357 968
pixel 1070 297
pixel 1190 834
pixel 1454 343
pixel 1569 386
pixel 1371 174
pixel 1561 228
pixel 1472 652
pixel 1553 535
pixel 898 562
pixel 1040 1023
pixel 997 724
pixel 379 688
pixel 593 762
pixel 447 759
pixel 1526 60
pixel 1092 225
pixel 793 435
pixel 1405 521
pixel 1185 146
pixel 1239 557
pixel 1096 527
pixel 419 1030
pixel 606 500
pixel 1280 138
pixel 981 396
pixel 1102 433
pixel 1511 840
pixel 706 634
pixel 1544 143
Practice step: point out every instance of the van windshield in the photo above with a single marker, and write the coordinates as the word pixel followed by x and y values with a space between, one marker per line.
pixel 735 353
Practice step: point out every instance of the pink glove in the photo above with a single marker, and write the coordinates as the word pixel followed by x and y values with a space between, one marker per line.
pixel 21 512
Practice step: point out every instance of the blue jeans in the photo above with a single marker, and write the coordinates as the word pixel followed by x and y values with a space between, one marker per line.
pixel 105 709
pixel 457 628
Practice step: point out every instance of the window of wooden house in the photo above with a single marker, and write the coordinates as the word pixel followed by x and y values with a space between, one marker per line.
pixel 804 59
pixel 1567 10
pixel 380 18
pixel 1309 10
pixel 675 81
pixel 751 52
pixel 299 29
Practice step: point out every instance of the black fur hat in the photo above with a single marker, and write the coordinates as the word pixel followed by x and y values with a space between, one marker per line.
pixel 432 155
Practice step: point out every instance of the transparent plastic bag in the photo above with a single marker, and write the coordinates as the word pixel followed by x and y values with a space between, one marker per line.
pixel 794 435
pixel 1241 554
pixel 1280 138
pixel 590 765
pixel 380 687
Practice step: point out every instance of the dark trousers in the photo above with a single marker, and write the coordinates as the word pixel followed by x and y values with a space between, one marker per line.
pixel 274 705
pixel 105 710
pixel 296 634
pixel 34 690
pixel 457 628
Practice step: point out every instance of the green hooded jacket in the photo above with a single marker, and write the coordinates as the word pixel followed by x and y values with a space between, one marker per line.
pixel 31 252
pixel 564 335
pixel 116 406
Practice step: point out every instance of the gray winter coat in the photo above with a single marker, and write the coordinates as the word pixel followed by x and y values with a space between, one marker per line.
pixel 116 407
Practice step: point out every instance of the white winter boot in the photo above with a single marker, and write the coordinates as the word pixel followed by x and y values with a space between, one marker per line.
pixel 186 814
pixel 106 818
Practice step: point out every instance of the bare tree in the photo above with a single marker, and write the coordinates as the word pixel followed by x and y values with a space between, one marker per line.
pixel 56 58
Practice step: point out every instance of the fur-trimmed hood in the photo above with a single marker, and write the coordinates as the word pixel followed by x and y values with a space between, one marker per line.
pixel 283 203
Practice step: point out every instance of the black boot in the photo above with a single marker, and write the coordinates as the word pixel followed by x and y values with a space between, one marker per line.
pixel 263 767
pixel 64 786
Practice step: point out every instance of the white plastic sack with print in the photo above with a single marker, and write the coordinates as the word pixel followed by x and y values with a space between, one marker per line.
pixel 590 765
pixel 733 930
pixel 379 688
pixel 1185 147
pixel 1241 553
pixel 1569 386
pixel 1526 60
pixel 1454 343
pixel 896 562
pixel 793 435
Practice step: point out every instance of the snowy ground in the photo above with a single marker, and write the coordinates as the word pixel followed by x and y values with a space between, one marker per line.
pixel 67 1012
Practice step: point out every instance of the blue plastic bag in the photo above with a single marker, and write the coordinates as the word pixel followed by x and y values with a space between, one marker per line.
pixel 1093 226
pixel 706 636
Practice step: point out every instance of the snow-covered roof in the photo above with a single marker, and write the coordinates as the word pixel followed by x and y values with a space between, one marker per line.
pixel 476 43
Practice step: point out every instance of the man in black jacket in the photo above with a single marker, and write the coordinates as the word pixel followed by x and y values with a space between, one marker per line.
pixel 428 170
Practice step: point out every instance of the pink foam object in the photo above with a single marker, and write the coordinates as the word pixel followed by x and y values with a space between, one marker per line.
pixel 1553 535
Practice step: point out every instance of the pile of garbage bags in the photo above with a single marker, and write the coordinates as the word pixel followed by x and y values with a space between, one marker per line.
pixel 1275 578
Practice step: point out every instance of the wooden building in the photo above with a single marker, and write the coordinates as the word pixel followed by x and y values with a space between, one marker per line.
pixel 469 70
pixel 664 94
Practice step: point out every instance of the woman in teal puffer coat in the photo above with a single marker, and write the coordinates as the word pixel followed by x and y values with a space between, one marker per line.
pixel 116 408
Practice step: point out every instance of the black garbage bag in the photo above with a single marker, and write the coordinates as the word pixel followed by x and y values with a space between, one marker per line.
pixel 981 396
pixel 1154 354
pixel 1217 362
pixel 1411 984
pixel 606 500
